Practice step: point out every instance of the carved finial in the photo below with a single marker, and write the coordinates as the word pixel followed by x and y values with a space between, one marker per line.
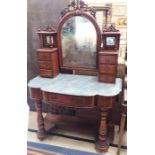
pixel 111 28
pixel 49 29
pixel 77 5
pixel 73 3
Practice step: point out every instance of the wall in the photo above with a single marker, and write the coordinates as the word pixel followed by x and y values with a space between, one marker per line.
pixel 40 14
pixel 119 17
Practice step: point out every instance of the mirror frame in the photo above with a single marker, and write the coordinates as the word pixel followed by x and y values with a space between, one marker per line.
pixel 98 42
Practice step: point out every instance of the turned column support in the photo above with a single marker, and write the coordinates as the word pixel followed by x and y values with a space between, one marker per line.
pixel 122 125
pixel 40 120
pixel 102 144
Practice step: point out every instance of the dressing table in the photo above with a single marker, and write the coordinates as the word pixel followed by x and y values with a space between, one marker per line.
pixel 76 47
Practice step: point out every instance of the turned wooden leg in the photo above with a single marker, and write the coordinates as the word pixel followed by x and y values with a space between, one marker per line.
pixel 122 124
pixel 40 120
pixel 102 144
pixel 111 125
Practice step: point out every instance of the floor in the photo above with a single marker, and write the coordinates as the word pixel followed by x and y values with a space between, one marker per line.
pixel 70 143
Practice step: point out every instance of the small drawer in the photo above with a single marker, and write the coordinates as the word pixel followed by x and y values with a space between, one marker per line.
pixel 46 73
pixel 45 64
pixel 107 59
pixel 108 69
pixel 45 56
pixel 107 78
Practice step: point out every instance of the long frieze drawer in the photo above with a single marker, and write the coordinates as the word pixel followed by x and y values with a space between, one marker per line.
pixel 105 102
pixel 107 59
pixel 109 69
pixel 68 100
pixel 45 64
pixel 45 56
pixel 46 73
pixel 107 78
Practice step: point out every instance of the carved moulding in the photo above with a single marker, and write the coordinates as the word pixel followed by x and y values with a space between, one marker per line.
pixel 78 6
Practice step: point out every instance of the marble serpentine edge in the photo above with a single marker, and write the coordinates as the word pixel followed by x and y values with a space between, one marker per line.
pixel 77 85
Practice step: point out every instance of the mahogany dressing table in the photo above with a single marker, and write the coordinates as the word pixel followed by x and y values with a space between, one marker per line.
pixel 72 48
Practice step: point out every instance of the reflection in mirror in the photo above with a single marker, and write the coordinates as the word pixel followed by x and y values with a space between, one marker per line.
pixel 78 36
pixel 110 41
pixel 48 39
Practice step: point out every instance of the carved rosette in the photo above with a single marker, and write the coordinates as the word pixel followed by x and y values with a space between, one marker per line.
pixel 60 110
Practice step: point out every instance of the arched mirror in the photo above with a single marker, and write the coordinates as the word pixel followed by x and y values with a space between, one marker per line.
pixel 79 40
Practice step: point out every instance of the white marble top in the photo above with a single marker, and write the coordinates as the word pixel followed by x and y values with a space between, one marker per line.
pixel 78 85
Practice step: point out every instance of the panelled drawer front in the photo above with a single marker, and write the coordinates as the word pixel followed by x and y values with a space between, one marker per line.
pixel 45 56
pixel 46 73
pixel 68 100
pixel 107 59
pixel 105 102
pixel 45 64
pixel 109 69
pixel 107 78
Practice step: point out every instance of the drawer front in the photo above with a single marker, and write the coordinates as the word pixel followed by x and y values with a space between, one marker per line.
pixel 107 78
pixel 45 56
pixel 109 69
pixel 46 73
pixel 68 100
pixel 105 102
pixel 106 59
pixel 45 64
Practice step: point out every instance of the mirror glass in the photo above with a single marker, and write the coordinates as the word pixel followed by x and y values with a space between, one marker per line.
pixel 78 40
pixel 48 39
pixel 110 41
